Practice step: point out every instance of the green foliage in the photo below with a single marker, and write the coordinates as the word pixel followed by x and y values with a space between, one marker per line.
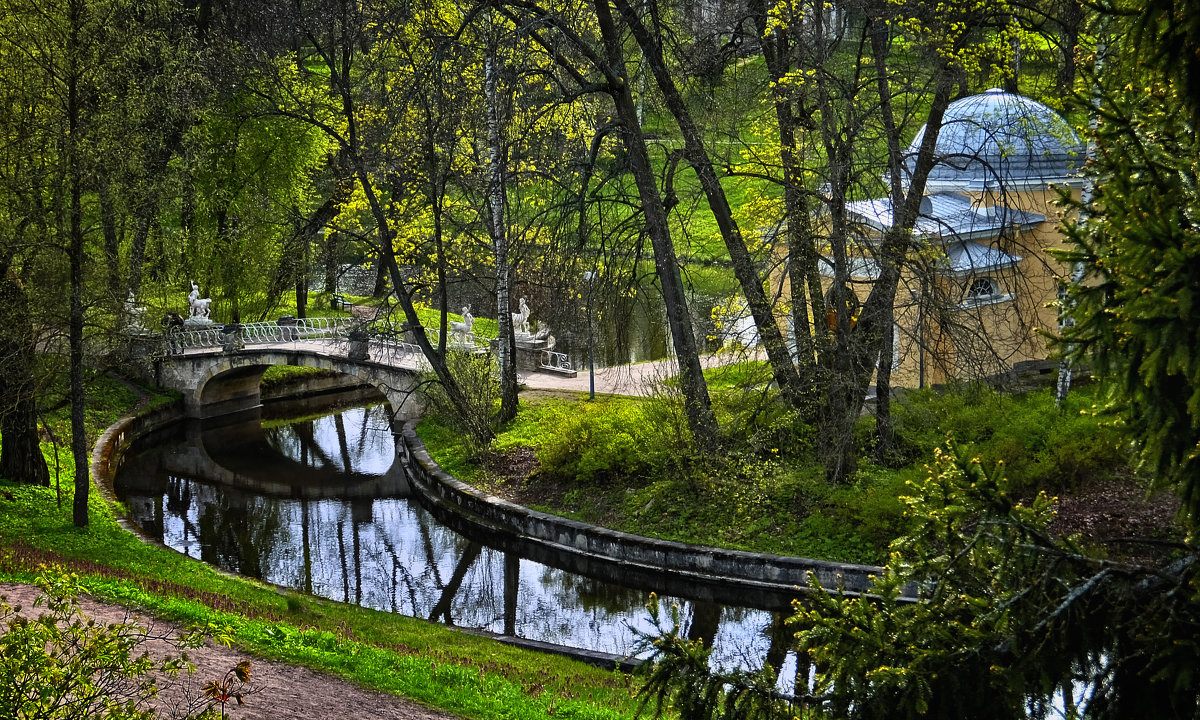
pixel 978 613
pixel 1004 617
pixel 597 444
pixel 62 664
pixel 1138 243
pixel 678 675
pixel 476 378
pixel 604 462
pixel 1041 447
pixel 278 376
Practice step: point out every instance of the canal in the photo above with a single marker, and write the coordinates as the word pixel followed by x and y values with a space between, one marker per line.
pixel 323 505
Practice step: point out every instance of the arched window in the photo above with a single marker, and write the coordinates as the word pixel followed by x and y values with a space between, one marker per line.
pixel 982 287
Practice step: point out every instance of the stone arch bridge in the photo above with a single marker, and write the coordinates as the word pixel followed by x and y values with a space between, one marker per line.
pixel 220 372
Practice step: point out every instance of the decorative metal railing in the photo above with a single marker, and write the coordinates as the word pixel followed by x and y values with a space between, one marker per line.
pixel 381 347
pixel 390 351
pixel 256 333
pixel 552 360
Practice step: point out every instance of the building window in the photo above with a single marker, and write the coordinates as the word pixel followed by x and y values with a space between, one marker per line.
pixel 982 288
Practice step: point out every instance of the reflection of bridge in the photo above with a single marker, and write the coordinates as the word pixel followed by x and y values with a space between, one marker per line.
pixel 220 373
pixel 238 455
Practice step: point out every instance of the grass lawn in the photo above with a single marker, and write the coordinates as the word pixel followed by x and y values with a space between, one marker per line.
pixel 626 463
pixel 449 670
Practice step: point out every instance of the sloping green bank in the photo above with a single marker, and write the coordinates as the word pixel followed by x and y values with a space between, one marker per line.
pixel 626 463
pixel 452 671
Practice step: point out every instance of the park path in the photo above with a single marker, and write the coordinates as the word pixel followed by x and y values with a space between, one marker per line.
pixel 637 379
pixel 281 691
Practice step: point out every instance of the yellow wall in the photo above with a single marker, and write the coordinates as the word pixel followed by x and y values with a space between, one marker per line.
pixel 970 341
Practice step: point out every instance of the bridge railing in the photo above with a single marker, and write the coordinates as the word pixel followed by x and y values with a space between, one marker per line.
pixel 390 351
pixel 381 347
pixel 462 342
pixel 552 360
pixel 258 333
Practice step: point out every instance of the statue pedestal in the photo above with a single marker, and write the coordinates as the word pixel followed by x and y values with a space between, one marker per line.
pixel 196 322
pixel 529 351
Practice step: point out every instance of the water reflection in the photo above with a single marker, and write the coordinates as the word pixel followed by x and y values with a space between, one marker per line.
pixel 320 505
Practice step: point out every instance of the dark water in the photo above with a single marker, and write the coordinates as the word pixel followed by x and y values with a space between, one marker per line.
pixel 322 506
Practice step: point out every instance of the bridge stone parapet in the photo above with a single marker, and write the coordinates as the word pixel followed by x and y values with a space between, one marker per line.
pixel 215 382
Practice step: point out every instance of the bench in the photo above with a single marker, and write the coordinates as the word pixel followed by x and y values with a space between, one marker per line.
pixel 338 301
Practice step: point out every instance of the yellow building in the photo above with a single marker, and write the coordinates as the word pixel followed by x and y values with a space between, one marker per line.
pixel 980 285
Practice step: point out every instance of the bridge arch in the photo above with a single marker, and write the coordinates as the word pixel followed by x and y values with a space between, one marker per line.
pixel 218 383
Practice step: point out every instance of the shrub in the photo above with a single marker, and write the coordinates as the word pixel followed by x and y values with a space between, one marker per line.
pixel 476 378
pixel 599 442
pixel 1041 446
pixel 65 665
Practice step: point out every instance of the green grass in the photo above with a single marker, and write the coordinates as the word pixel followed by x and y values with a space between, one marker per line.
pixel 449 670
pixel 484 328
pixel 280 375
pixel 625 464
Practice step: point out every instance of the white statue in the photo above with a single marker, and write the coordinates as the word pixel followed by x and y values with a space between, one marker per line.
pixel 200 307
pixel 461 331
pixel 134 314
pixel 521 319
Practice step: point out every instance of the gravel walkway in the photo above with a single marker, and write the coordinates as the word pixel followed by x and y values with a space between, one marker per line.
pixel 284 692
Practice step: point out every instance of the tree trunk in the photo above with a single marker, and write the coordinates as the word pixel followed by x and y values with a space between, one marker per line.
pixel 331 252
pixel 499 231
pixel 21 456
pixel 748 277
pixel 1070 21
pixel 75 259
pixel 137 250
pixel 866 341
pixel 701 420
pixel 302 282
pixel 802 253
pixel 381 274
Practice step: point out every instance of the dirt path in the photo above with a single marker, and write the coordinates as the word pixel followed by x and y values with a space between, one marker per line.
pixel 285 692
pixel 637 379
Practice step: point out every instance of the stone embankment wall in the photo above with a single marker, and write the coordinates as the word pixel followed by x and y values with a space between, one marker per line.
pixel 754 571
pixel 115 441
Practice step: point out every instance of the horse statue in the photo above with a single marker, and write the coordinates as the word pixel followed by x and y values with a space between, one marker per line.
pixel 461 331
pixel 198 306
pixel 521 319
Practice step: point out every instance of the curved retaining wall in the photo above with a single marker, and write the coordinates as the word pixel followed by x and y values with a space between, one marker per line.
pixel 756 571
pixel 112 444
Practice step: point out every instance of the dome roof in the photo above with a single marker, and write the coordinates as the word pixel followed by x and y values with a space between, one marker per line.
pixel 1000 140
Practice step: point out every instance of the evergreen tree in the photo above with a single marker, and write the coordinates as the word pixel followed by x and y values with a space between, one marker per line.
pixel 1136 311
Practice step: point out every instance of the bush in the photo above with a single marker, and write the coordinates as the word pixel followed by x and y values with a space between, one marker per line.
pixel 1041 446
pixel 598 443
pixel 476 378
pixel 65 665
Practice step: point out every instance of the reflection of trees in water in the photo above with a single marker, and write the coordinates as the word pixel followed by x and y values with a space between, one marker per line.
pixel 353 440
pixel 591 594
pixel 441 609
pixel 241 531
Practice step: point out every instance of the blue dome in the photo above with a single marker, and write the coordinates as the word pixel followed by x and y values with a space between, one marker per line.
pixel 1000 141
